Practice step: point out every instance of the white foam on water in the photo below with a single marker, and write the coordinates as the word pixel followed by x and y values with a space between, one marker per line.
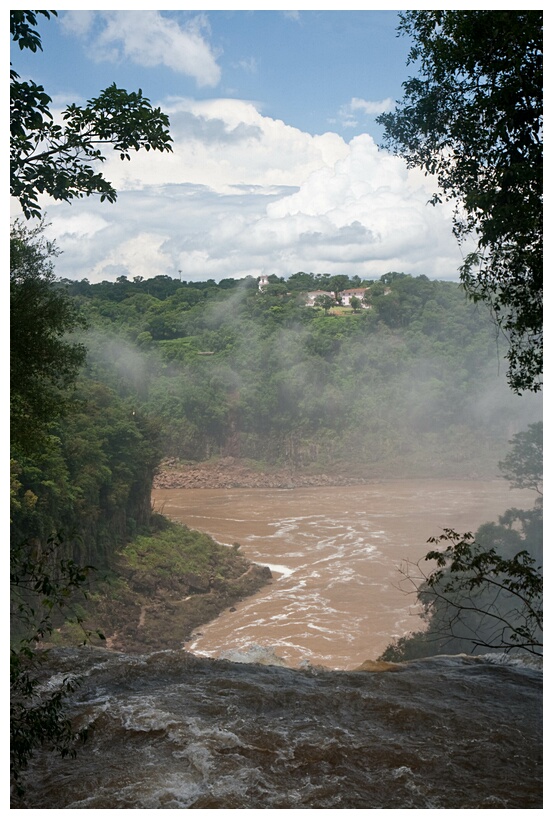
pixel 320 628
pixel 284 571
pixel 253 653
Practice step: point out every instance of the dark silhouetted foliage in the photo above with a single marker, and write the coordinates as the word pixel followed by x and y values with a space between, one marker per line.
pixel 46 157
pixel 473 118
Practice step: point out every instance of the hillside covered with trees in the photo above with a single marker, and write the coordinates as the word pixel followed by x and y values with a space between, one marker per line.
pixel 409 383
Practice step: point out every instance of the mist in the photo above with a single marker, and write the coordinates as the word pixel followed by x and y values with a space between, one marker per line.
pixel 263 370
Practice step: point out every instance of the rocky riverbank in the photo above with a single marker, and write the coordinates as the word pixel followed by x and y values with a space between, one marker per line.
pixel 234 473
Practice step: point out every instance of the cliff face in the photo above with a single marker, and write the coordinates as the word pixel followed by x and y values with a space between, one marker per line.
pixel 171 730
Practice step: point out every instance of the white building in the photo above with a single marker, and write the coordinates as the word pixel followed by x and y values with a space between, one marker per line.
pixel 347 295
pixel 312 295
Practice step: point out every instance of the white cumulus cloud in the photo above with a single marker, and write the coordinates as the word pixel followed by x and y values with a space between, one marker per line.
pixel 371 106
pixel 148 38
pixel 140 255
pixel 222 143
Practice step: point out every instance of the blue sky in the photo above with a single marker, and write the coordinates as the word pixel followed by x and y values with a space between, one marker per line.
pixel 276 165
pixel 301 67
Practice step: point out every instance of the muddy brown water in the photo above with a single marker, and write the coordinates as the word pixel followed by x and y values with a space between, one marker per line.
pixel 338 596
pixel 172 730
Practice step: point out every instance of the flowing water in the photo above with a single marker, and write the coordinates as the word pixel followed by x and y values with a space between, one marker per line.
pixel 338 596
pixel 174 730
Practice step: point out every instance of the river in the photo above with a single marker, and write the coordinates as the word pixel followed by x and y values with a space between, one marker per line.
pixel 174 730
pixel 338 596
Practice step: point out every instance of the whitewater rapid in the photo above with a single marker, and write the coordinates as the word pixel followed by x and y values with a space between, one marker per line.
pixel 175 731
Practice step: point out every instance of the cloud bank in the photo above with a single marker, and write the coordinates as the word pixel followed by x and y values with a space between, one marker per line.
pixel 243 193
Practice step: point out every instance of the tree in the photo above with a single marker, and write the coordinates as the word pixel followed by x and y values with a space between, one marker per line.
pixel 301 281
pixel 523 466
pixel 367 297
pixel 43 367
pixel 43 361
pixel 39 719
pixel 355 304
pixel 473 118
pixel 337 284
pixel 55 159
pixel 325 301
pixel 486 592
pixel 480 595
pixel 58 159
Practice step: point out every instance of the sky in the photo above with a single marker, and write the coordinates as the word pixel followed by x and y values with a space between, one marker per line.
pixel 276 165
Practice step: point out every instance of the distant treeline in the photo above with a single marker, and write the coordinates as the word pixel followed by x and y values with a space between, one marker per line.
pixel 412 384
pixel 163 287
